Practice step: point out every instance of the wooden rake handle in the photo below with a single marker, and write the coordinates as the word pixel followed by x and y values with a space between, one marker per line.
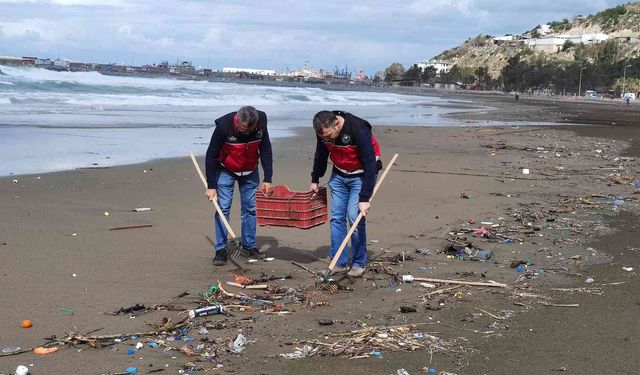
pixel 215 201
pixel 355 223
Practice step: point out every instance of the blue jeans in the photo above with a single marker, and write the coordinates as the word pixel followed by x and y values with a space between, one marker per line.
pixel 248 185
pixel 345 193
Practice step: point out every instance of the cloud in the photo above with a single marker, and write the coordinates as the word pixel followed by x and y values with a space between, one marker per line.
pixel 372 33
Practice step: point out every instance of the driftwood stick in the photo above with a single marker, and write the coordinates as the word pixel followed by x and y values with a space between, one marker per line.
pixel 459 282
pixel 305 268
pixel 560 305
pixel 238 285
pixel 132 227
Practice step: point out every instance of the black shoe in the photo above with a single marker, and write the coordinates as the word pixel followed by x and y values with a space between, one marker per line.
pixel 220 258
pixel 254 253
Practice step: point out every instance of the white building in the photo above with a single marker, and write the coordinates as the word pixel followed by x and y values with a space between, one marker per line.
pixel 441 66
pixel 554 44
pixel 61 63
pixel 262 72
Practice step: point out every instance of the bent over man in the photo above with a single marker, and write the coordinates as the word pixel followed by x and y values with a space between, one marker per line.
pixel 239 141
pixel 348 141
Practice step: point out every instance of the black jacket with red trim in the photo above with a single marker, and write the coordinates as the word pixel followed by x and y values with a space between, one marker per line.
pixel 354 153
pixel 238 153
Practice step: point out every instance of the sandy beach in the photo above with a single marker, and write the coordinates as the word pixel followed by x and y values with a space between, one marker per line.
pixel 573 217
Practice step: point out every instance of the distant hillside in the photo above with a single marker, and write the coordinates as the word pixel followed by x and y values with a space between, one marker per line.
pixel 616 29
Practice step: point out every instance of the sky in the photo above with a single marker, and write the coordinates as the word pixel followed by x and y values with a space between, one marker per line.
pixel 280 35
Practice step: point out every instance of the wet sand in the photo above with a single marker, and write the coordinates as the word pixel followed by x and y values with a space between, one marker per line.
pixel 417 205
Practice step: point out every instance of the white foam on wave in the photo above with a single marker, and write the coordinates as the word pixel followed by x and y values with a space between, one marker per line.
pixel 138 91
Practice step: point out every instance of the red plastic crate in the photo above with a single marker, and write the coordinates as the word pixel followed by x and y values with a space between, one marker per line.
pixel 286 208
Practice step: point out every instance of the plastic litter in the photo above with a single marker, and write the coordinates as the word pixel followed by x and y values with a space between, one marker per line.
pixel 22 370
pixel 67 310
pixel 376 354
pixel 11 349
pixel 40 350
pixel 26 324
pixel 628 269
pixel 402 371
pixel 589 280
pixel 131 370
pixel 237 346
pixel 303 352
pixel 142 209
pixel 204 311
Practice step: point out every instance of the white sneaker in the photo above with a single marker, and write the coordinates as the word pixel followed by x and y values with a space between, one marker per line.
pixel 356 271
pixel 338 269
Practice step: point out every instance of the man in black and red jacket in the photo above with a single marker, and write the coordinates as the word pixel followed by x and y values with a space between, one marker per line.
pixel 239 141
pixel 348 141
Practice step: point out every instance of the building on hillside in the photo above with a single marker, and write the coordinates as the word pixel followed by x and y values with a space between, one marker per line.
pixel 625 36
pixel 441 66
pixel 544 29
pixel 553 44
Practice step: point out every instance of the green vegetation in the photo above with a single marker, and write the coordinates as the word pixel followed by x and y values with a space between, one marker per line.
pixel 560 26
pixel 393 71
pixel 563 77
pixel 611 16
pixel 567 45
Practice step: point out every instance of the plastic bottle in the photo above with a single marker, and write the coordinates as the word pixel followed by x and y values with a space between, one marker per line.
pixel 204 311
pixel 407 278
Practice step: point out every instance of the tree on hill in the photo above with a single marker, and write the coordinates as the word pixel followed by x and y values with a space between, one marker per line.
pixel 393 71
pixel 429 73
pixel 483 79
pixel 413 73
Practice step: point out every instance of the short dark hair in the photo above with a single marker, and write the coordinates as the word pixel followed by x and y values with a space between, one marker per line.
pixel 248 115
pixel 324 120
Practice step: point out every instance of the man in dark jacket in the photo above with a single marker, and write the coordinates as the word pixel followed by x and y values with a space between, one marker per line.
pixel 348 141
pixel 239 141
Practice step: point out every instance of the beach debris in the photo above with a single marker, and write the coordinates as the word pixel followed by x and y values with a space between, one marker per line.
pixel 467 251
pixel 11 349
pixel 525 171
pixel 238 345
pixel 106 213
pixel 325 322
pixel 142 209
pixel 402 371
pixel 204 311
pixel 67 310
pixel 42 350
pixel 560 304
pixel 305 351
pixel 128 310
pixel 131 370
pixel 464 195
pixel 245 286
pixel 22 370
pixel 14 181
pixel 628 269
pixel 493 284
pixel 361 343
pixel 132 227
pixel 26 324
pixel 407 309
pixel 269 259
pixel 589 280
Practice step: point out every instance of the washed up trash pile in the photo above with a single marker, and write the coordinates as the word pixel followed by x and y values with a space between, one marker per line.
pixel 370 341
